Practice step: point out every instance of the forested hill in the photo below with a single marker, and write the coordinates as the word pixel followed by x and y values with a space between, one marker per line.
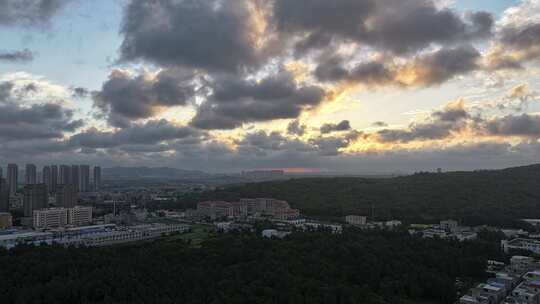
pixel 370 267
pixel 480 197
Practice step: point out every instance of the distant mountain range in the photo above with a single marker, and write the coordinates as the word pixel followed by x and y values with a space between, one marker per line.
pixel 152 173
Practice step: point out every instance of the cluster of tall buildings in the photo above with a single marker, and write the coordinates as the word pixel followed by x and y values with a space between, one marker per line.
pixel 64 182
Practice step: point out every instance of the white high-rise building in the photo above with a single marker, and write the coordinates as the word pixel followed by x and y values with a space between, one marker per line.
pixel 50 218
pixel 80 215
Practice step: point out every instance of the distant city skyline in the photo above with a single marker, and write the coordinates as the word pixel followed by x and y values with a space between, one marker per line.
pixel 352 86
pixel 75 176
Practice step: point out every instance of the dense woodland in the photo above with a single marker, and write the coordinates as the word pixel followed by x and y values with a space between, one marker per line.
pixel 497 197
pixel 355 267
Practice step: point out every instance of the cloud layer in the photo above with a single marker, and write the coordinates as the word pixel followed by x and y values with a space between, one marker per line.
pixel 223 85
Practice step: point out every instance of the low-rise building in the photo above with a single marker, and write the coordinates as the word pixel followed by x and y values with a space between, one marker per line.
pixel 97 235
pixel 531 245
pixel 527 292
pixel 468 299
pixel 334 228
pixel 215 209
pixel 431 233
pixel 534 222
pixel 465 236
pixel 50 218
pixel 532 276
pixel 521 264
pixel 495 293
pixel 80 215
pixel 392 224
pixel 356 220
pixel 449 225
pixel 273 233
pixel 6 220
pixel 514 233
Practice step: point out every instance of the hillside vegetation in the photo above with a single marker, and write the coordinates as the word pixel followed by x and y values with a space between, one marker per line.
pixel 355 267
pixel 480 197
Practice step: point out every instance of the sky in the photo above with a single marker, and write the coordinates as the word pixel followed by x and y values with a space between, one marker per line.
pixel 351 86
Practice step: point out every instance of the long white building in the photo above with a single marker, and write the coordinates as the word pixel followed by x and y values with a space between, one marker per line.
pixel 97 235
pixel 531 245
pixel 61 217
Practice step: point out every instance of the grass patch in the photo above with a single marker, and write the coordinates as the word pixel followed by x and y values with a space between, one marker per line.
pixel 198 234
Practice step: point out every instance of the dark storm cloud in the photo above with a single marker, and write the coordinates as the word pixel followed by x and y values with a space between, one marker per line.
pixel 330 146
pixel 296 128
pixel 344 125
pixel 19 122
pixel 451 114
pixel 523 125
pixel 265 141
pixel 30 88
pixel 5 90
pixel 516 44
pixel 36 121
pixel 369 73
pixel 235 101
pixel 149 133
pixel 29 12
pixel 17 56
pixel 37 148
pixel 445 64
pixel 398 26
pixel 261 144
pixel 212 35
pixel 427 69
pixel 125 97
pixel 421 131
pixel 525 40
pixel 80 92
pixel 441 124
pixel 379 124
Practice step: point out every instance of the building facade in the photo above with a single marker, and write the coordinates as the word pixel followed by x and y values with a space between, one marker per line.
pixel 46 176
pixel 65 175
pixel 75 177
pixel 6 220
pixel 4 195
pixel 12 178
pixel 54 178
pixel 30 174
pixel 356 220
pixel 215 209
pixel 50 218
pixel 84 184
pixel 80 215
pixel 61 217
pixel 531 245
pixel 97 178
pixel 35 198
pixel 66 196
